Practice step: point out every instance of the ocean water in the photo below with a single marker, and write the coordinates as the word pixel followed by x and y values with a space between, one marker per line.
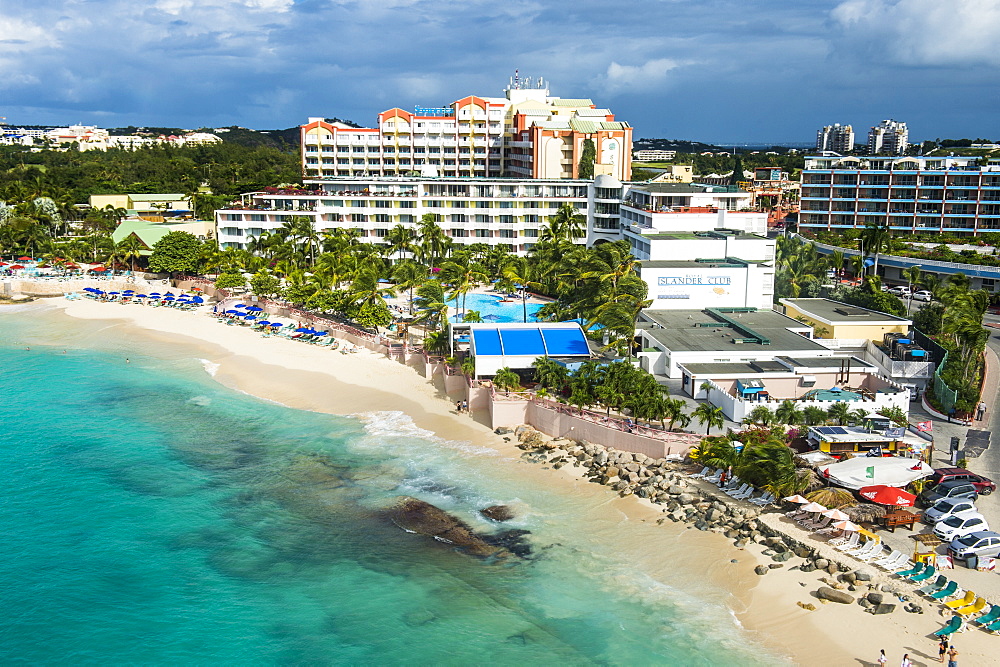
pixel 152 516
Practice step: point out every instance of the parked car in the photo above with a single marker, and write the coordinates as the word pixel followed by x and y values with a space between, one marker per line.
pixel 957 526
pixel 899 290
pixel 923 295
pixel 950 490
pixel 981 544
pixel 984 485
pixel 948 507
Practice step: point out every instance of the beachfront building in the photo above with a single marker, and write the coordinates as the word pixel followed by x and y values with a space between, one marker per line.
pixel 151 206
pixel 148 233
pixel 517 346
pixel 525 134
pixel 506 212
pixel 889 137
pixel 653 155
pixel 726 282
pixel 919 195
pixel 739 387
pixel 835 138
pixel 671 338
pixel 689 207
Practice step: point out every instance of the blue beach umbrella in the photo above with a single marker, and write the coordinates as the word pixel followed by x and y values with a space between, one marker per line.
pixel 154 294
pixel 264 322
pixel 112 292
pixel 250 317
pixel 254 309
pixel 197 299
pixel 169 298
pixel 277 324
pixel 233 312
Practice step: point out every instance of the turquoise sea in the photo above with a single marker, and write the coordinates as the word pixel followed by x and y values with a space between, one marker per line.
pixel 153 516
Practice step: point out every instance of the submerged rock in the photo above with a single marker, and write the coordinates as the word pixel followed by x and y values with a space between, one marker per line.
pixel 498 512
pixel 422 518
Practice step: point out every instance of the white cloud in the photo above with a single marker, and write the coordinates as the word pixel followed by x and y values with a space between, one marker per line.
pixel 650 74
pixel 19 35
pixel 924 32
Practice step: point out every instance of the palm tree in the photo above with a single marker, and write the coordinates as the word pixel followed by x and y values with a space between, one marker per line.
pixel 814 415
pixel 408 275
pixel 675 412
pixel 565 225
pixel 472 317
pixel 550 373
pixel 875 237
pixel 463 276
pixel 130 249
pixel 401 239
pixel 788 413
pixel 840 411
pixel 433 241
pixel 520 271
pixel 708 414
pixel 506 379
pixel 760 416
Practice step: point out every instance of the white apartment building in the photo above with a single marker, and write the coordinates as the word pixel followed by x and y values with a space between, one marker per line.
pixel 890 137
pixel 526 134
pixel 835 138
pixel 652 155
pixel 501 212
pixel 689 207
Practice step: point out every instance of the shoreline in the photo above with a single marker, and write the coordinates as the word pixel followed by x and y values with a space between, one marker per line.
pixel 303 377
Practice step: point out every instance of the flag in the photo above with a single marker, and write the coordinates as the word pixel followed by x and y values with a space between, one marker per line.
pixel 826 473
pixel 870 472
pixel 924 426
pixel 916 467
pixel 895 432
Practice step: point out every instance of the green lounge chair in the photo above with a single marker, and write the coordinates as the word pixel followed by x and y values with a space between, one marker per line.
pixel 938 584
pixel 989 617
pixel 945 592
pixel 954 625
pixel 916 569
pixel 925 575
pixel 993 627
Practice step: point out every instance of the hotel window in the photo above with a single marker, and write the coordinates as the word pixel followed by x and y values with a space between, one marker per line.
pixel 358 217
pixel 483 233
pixel 459 233
pixel 381 233
pixel 458 217
pixel 508 219
pixel 483 219
pixel 406 217
pixel 382 203
pixel 407 204
pixel 359 203
pixel 359 149
pixel 381 217
pixel 530 233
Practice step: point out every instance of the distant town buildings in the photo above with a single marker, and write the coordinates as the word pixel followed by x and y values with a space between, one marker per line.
pixel 889 137
pixel 919 195
pixel 836 138
pixel 89 137
pixel 651 155
pixel 526 134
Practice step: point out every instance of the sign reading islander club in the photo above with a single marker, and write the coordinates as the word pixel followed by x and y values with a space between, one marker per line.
pixel 696 287
pixel 694 279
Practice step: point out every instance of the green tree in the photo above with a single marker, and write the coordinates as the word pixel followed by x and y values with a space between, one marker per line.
pixel 230 280
pixel 177 252
pixel 789 413
pixel 265 285
pixel 813 415
pixel 588 155
pixel 709 415
pixel 840 411
pixel 506 379
pixel 550 373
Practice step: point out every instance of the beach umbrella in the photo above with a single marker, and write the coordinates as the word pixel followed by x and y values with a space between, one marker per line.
pixel 154 294
pixel 830 496
pixel 197 299
pixel 887 495
pixel 240 305
pixel 264 322
pixel 846 526
pixel 24 259
pixel 169 298
pixel 321 333
pixel 796 499
pixel 254 309
pixel 836 515
pixel 16 267
pixel 302 330
pixel 250 317
pixel 233 312
pixel 140 296
pixel 277 324
pixel 813 507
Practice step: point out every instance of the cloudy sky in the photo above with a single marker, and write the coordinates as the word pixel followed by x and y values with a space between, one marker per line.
pixel 713 70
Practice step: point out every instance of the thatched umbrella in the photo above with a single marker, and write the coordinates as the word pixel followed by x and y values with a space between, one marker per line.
pixel 867 512
pixel 832 497
pixel 815 481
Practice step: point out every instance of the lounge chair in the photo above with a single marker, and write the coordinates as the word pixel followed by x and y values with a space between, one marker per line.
pixel 986 619
pixel 730 483
pixel 873 555
pixel 973 608
pixel 956 624
pixel 929 572
pixel 963 601
pixel 844 543
pixel 892 561
pixel 714 477
pixel 744 491
pixel 934 586
pixel 821 522
pixel 766 499
pixel 916 569
pixel 993 627
pixel 700 475
pixel 738 491
pixel 946 592
pixel 869 548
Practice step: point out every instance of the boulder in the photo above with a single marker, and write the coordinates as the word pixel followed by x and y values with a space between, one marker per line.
pixel 422 518
pixel 782 556
pixel 762 569
pixel 883 609
pixel 875 598
pixel 808 606
pixel 502 430
pixel 833 595
pixel 821 563
pixel 498 512
pixel 862 575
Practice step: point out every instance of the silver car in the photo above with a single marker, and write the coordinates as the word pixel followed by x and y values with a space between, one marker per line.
pixel 982 544
pixel 948 507
pixel 958 526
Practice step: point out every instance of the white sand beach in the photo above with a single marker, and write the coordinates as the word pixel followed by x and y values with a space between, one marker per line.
pixel 318 379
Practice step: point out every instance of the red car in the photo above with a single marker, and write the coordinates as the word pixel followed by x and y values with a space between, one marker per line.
pixel 984 485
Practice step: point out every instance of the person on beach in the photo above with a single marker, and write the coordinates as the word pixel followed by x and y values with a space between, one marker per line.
pixel 465 406
pixel 881 658
pixel 981 411
pixel 458 406
pixel 906 661
pixel 942 649
pixel 952 657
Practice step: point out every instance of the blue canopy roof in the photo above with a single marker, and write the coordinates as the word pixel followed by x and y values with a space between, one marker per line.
pixel 533 341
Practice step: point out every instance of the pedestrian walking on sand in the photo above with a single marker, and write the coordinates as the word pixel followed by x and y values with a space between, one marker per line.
pixel 458 406
pixel 906 661
pixel 942 649
pixel 981 411
pixel 881 658
pixel 465 406
pixel 952 657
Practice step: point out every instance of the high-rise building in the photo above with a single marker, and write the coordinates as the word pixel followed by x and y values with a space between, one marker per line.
pixel 526 134
pixel 889 137
pixel 836 138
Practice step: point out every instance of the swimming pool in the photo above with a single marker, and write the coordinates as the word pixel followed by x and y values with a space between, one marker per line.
pixel 834 394
pixel 492 310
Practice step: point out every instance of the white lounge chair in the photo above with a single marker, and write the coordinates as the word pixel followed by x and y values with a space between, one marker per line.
pixel 765 499
pixel 845 541
pixel 744 495
pixel 875 554
pixel 887 561
pixel 700 475
pixel 714 477
pixel 736 492
pixel 871 546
